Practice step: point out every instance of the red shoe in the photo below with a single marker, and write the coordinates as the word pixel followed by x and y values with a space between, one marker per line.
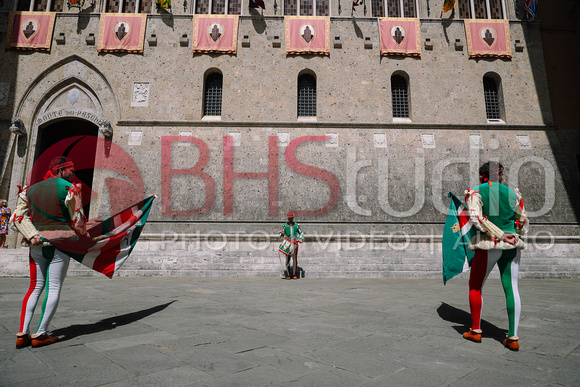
pixel 22 341
pixel 288 277
pixel 42 340
pixel 294 277
pixel 511 344
pixel 472 336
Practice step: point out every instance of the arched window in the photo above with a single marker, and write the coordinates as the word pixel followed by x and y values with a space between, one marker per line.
pixel 400 96
pixel 306 96
pixel 491 92
pixel 212 105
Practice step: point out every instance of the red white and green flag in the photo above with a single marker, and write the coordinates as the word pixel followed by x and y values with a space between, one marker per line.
pixel 456 236
pixel 110 241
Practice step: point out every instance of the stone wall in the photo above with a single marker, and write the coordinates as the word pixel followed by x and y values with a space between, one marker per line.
pixel 352 170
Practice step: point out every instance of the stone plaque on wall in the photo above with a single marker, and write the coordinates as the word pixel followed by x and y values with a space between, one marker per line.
pixel 475 141
pixel 333 141
pixel 140 94
pixel 135 138
pixel 428 140
pixel 283 139
pixel 380 140
pixel 524 141
pixel 184 139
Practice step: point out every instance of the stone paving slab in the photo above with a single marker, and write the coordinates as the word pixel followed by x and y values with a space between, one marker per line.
pixel 157 331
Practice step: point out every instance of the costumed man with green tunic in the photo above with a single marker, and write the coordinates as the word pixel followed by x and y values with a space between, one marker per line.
pixel 293 235
pixel 48 209
pixel 498 212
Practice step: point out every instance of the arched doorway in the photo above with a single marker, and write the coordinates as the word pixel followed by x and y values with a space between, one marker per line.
pixel 56 131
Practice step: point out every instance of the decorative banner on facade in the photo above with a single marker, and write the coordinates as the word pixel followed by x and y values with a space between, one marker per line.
pixel 400 36
pixel 488 38
pixel 30 30
pixel 307 35
pixel 122 32
pixel 215 33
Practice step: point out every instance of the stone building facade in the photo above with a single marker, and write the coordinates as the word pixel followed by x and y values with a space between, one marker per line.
pixel 369 188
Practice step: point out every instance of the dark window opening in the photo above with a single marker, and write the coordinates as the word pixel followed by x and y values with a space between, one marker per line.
pixel 306 96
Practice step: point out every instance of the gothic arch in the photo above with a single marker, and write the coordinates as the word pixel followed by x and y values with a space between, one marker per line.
pixel 51 80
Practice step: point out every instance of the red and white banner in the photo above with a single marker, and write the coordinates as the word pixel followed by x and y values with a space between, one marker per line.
pixel 488 38
pixel 215 33
pixel 30 30
pixel 400 36
pixel 307 34
pixel 122 32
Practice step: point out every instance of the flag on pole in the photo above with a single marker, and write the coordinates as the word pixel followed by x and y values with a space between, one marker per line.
pixel 163 4
pixel 531 8
pixel 448 5
pixel 456 236
pixel 257 3
pixel 109 242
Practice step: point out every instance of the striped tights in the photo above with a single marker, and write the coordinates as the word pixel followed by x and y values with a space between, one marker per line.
pixel 508 263
pixel 48 267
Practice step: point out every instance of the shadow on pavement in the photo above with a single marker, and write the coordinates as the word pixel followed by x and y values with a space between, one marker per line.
pixel 108 323
pixel 458 316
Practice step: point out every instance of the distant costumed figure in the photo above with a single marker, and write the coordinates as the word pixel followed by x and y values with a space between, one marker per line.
pixel 4 220
pixel 293 235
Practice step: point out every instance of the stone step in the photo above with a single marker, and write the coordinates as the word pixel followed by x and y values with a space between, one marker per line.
pixel 418 261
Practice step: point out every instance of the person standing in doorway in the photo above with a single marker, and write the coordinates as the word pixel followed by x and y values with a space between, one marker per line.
pixel 50 207
pixel 4 220
pixel 293 235
pixel 498 212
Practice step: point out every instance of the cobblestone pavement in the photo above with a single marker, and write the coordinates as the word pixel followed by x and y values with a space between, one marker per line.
pixel 168 331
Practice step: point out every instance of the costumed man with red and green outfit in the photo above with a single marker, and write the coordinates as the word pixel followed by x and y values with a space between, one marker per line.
pixel 293 235
pixel 498 212
pixel 48 209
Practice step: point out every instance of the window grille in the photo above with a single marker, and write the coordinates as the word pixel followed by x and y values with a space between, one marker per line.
pixel 202 7
pixel 213 95
pixel 235 7
pixel 409 8
pixel 464 9
pixel 393 6
pixel 322 8
pixel 491 95
pixel 218 7
pixel 306 96
pixel 306 8
pixel 400 96
pixel 481 9
pixel 378 8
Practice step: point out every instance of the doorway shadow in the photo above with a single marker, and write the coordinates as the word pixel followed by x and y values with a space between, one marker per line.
pixel 458 316
pixel 107 324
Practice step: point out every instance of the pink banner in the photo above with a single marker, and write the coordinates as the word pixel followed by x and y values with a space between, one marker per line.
pixel 30 30
pixel 400 36
pixel 307 34
pixel 488 38
pixel 124 32
pixel 215 33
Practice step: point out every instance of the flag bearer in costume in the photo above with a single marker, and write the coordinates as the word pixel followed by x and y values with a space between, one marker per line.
pixel 497 211
pixel 293 235
pixel 44 210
